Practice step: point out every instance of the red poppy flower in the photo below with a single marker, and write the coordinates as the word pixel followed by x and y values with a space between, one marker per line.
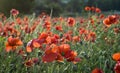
pixel 117 67
pixel 49 40
pixel 107 22
pixel 70 55
pixel 116 56
pixel 113 19
pixel 43 35
pixel 29 49
pixel 49 56
pixel 97 70
pixel 27 29
pixel 76 38
pixel 19 20
pixel 97 10
pixel 47 25
pixel 55 49
pixel 35 43
pixel 14 12
pixel 12 44
pixel 63 48
pixel 68 36
pixel 93 8
pixel 87 8
pixel 59 28
pixel 101 16
pixel 28 63
pixel 82 31
pixel 90 37
pixel 71 21
pixel 59 58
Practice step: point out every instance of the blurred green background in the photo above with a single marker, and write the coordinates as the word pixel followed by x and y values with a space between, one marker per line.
pixel 58 7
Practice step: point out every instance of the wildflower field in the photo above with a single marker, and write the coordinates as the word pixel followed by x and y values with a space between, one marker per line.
pixel 45 44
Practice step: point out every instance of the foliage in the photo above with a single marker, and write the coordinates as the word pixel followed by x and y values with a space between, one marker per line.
pixel 21 5
pixel 49 7
pixel 105 5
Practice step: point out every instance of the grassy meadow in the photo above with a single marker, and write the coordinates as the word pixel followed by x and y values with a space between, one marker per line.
pixel 45 44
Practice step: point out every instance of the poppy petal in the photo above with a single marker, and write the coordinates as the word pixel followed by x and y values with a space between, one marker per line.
pixel 49 57
pixel 36 44
pixel 116 56
pixel 8 48
pixel 19 42
pixel 29 49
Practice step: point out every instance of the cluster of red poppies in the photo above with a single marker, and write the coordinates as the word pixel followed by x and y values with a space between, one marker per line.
pixel 43 36
pixel 93 9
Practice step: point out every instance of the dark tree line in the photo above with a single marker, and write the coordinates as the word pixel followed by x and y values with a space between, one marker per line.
pixel 76 6
pixel 24 6
pixel 57 6
pixel 105 5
